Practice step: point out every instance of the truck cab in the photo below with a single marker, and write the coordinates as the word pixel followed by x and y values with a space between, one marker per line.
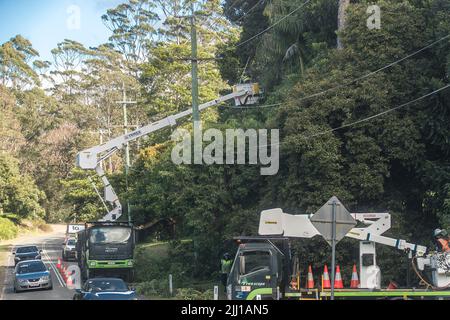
pixel 106 249
pixel 261 268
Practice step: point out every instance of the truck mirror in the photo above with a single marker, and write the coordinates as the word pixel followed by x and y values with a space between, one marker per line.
pixel 242 264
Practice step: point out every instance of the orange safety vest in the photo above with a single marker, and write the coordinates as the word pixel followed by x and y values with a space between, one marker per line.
pixel 444 245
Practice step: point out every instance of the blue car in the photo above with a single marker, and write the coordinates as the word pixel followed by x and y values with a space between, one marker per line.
pixel 105 289
pixel 32 275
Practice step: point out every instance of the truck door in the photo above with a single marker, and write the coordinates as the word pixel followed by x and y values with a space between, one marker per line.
pixel 252 269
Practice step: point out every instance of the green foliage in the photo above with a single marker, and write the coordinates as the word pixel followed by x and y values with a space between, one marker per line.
pixel 18 193
pixel 192 294
pixel 397 162
pixel 15 56
pixel 154 288
pixel 8 229
pixel 80 193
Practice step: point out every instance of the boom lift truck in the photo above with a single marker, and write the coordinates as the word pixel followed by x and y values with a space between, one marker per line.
pixel 107 245
pixel 262 266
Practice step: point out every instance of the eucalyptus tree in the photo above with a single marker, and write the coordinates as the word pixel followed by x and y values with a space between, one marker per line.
pixel 16 57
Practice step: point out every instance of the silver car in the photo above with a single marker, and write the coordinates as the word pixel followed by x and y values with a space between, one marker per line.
pixel 31 275
pixel 69 249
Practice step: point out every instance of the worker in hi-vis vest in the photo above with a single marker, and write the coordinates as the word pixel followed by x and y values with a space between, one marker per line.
pixel 225 268
pixel 442 240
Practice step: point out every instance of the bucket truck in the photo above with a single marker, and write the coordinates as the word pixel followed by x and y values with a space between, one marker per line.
pixel 107 246
pixel 262 266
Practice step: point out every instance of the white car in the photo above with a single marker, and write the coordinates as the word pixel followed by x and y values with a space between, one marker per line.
pixel 69 249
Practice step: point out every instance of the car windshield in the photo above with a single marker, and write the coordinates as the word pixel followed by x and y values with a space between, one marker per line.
pixel 31 267
pixel 106 285
pixel 104 235
pixel 27 249
pixel 71 242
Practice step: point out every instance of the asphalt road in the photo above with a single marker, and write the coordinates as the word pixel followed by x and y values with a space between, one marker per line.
pixel 51 246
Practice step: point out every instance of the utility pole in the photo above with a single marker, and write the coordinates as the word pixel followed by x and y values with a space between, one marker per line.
pixel 125 103
pixel 195 112
pixel 194 61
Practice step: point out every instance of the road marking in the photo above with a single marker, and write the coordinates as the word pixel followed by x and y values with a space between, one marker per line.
pixel 5 281
pixel 55 270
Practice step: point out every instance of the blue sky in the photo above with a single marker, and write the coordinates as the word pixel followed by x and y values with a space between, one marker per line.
pixel 47 22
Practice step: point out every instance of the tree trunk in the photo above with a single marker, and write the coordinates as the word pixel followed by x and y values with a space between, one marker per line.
pixel 343 5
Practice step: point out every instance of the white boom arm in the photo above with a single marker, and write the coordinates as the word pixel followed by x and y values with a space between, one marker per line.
pixel 276 222
pixel 91 158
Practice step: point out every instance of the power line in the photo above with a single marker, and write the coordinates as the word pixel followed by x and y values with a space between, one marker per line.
pixel 231 7
pixel 368 118
pixel 320 93
pixel 250 10
pixel 381 113
pixel 273 25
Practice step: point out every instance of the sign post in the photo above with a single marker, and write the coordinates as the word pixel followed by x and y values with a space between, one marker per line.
pixel 333 246
pixel 333 221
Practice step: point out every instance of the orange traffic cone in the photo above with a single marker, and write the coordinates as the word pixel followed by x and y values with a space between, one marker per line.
pixel 310 282
pixel 338 283
pixel 354 283
pixel 63 272
pixel 326 283
pixel 69 281
pixel 392 285
pixel 58 265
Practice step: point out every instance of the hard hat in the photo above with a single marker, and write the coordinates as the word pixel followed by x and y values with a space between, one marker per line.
pixel 437 233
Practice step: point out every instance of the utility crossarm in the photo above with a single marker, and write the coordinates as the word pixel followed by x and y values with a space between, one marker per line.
pixel 90 159
pixel 276 222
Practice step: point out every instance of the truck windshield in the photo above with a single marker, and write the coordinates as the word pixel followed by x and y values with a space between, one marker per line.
pixel 105 235
pixel 254 266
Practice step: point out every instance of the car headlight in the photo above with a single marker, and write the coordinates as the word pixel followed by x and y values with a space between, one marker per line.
pixel 16 258
pixel 38 257
pixel 92 263
pixel 45 278
pixel 22 280
pixel 130 263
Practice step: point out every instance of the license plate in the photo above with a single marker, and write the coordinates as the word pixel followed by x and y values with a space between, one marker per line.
pixel 111 263
pixel 34 285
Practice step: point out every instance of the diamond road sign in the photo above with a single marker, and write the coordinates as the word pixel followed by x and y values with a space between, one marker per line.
pixel 323 220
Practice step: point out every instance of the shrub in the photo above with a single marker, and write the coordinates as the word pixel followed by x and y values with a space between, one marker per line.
pixel 155 287
pixel 8 229
pixel 192 294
